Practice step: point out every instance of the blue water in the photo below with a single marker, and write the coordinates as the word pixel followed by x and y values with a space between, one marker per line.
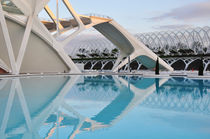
pixel 104 107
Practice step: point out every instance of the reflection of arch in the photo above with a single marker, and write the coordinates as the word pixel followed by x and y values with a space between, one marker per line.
pixel 179 65
pixel 129 97
pixel 195 89
pixel 133 91
pixel 115 108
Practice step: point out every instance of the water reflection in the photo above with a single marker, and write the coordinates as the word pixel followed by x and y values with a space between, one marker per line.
pixel 26 104
pixel 181 94
pixel 63 107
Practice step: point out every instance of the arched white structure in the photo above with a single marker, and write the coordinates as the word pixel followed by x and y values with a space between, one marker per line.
pixel 29 47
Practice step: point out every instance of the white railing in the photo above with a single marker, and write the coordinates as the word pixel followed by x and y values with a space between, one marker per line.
pixel 98 15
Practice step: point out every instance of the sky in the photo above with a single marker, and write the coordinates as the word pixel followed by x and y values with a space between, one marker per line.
pixel 139 16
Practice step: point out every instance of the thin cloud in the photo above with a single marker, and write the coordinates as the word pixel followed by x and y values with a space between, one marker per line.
pixel 192 12
pixel 172 27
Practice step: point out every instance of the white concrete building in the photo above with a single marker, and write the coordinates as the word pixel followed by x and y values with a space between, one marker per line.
pixel 28 45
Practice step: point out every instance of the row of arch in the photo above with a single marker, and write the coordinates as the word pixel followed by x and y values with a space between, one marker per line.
pixel 195 39
pixel 173 38
pixel 88 43
pixel 176 63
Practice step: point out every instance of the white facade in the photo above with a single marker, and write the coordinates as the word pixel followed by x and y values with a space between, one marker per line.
pixel 29 47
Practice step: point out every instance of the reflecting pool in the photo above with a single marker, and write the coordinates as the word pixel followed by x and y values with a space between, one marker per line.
pixel 104 107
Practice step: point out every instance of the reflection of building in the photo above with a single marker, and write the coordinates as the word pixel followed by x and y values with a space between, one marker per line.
pixel 45 104
pixel 26 103
pixel 43 109
pixel 183 95
pixel 33 46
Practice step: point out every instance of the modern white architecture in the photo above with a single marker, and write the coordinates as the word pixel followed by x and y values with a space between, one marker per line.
pixel 28 45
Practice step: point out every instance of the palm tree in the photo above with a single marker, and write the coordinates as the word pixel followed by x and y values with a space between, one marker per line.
pixel 105 53
pixel 196 46
pixel 114 52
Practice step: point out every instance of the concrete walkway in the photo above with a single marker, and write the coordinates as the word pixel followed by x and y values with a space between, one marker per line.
pixel 146 74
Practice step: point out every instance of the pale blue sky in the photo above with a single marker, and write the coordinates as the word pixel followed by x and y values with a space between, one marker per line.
pixel 147 15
